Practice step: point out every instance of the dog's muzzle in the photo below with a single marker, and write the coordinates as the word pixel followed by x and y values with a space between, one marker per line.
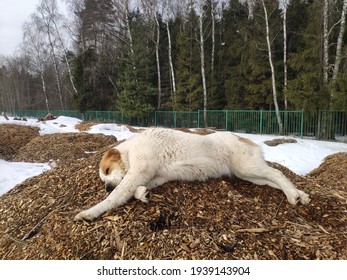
pixel 109 187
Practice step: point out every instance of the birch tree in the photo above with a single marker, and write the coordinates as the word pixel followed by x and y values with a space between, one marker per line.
pixel 213 33
pixel 43 19
pixel 59 26
pixel 157 42
pixel 340 41
pixel 172 71
pixel 325 42
pixel 273 76
pixel 152 6
pixel 285 69
pixel 202 56
pixel 35 47
pixel 125 11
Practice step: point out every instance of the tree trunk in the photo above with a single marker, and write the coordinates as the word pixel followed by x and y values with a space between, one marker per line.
pixel 56 69
pixel 285 70
pixel 172 72
pixel 45 92
pixel 130 38
pixel 65 57
pixel 340 41
pixel 273 78
pixel 157 58
pixel 325 42
pixel 171 67
pixel 202 58
pixel 213 37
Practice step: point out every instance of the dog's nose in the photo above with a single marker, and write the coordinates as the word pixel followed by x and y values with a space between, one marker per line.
pixel 109 187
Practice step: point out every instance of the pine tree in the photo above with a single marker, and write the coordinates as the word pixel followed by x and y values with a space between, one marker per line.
pixel 233 55
pixel 137 97
pixel 188 73
pixel 85 98
pixel 306 88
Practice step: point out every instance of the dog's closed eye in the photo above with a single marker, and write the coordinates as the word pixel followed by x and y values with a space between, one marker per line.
pixel 107 171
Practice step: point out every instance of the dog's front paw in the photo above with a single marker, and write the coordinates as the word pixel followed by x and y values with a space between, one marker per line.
pixel 304 198
pixel 299 196
pixel 141 193
pixel 85 215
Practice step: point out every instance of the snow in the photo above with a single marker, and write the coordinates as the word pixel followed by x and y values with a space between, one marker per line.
pixel 301 157
pixel 13 173
pixel 120 132
pixel 59 125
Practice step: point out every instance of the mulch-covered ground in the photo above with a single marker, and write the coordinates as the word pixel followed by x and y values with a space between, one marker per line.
pixel 218 219
pixel 13 137
pixel 63 147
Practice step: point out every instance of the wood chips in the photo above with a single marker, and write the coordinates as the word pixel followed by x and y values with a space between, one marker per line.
pixel 217 219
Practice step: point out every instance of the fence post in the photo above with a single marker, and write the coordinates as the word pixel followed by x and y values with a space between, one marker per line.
pixel 226 120
pixel 302 124
pixel 175 119
pixel 261 122
pixel 198 118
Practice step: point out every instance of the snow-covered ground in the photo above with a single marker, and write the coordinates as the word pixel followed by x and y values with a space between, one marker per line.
pixel 300 157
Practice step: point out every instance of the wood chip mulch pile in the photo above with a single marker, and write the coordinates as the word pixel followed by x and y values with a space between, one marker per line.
pixel 218 219
pixel 63 147
pixel 13 137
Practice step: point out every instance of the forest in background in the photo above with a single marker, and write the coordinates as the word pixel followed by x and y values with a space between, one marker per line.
pixel 146 55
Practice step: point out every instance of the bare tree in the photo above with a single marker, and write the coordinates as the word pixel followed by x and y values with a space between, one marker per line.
pixel 273 77
pixel 35 47
pixel 213 31
pixel 60 25
pixel 75 29
pixel 285 70
pixel 157 41
pixel 152 7
pixel 202 56
pixel 123 9
pixel 172 72
pixel 340 41
pixel 325 42
pixel 43 19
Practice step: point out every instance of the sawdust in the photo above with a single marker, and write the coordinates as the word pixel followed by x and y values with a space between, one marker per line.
pixel 276 142
pixel 63 147
pixel 217 219
pixel 13 137
pixel 85 126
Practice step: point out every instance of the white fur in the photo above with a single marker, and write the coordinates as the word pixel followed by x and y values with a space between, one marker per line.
pixel 158 155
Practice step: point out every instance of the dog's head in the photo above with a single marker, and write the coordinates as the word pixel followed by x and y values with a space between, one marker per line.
pixel 111 169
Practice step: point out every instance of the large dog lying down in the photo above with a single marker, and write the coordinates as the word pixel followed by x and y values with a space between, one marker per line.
pixel 157 156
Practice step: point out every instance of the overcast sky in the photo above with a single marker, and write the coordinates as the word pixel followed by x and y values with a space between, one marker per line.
pixel 13 13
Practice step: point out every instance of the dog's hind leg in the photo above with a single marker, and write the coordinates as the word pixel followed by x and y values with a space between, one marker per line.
pixel 275 178
pixel 259 172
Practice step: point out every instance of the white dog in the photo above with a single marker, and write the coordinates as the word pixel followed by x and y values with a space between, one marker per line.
pixel 157 156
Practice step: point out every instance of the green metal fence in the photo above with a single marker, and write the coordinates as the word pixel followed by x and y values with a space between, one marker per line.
pixel 258 122
pixel 319 125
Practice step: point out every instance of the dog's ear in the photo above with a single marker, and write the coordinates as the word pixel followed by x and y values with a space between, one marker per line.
pixel 112 155
pixel 107 161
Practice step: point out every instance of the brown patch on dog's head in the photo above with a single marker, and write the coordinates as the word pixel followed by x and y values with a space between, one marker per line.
pixel 109 161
